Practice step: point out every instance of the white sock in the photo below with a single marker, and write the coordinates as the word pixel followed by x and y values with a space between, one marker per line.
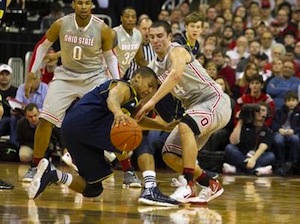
pixel 64 178
pixel 149 178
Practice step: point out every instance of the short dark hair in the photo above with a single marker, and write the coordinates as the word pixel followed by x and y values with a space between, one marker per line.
pixel 144 71
pixel 257 77
pixel 290 95
pixel 30 107
pixel 164 24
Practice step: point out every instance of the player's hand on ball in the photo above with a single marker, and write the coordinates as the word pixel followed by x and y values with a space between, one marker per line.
pixel 121 119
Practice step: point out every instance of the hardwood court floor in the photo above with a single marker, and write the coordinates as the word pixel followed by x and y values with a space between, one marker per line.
pixel 247 199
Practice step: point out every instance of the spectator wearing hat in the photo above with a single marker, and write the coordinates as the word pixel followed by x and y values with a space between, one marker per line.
pixel 275 30
pixel 6 90
pixel 266 15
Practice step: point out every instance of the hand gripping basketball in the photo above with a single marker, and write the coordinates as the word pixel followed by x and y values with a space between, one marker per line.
pixel 126 137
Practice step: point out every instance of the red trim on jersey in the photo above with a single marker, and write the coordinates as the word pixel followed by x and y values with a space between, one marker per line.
pixel 33 57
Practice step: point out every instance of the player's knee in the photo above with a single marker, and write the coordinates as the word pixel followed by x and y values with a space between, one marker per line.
pixel 168 157
pixel 93 190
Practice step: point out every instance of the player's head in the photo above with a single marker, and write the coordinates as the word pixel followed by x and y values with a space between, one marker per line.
pixel 82 8
pixel 144 81
pixel 160 36
pixel 128 18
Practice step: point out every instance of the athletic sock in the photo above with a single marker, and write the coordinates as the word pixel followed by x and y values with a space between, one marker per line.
pixel 149 178
pixel 203 179
pixel 126 165
pixel 64 178
pixel 188 174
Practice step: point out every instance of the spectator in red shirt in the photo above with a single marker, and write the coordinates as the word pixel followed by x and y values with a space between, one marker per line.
pixel 256 95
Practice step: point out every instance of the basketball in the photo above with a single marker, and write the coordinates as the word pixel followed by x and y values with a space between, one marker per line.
pixel 126 137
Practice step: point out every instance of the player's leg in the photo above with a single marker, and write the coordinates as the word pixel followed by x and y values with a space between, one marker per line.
pixel 82 134
pixel 59 97
pixel 150 195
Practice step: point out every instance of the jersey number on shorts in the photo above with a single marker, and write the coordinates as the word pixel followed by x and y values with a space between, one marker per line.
pixel 77 53
pixel 128 56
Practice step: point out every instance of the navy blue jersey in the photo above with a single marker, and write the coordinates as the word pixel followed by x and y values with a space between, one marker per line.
pixel 98 96
pixel 86 130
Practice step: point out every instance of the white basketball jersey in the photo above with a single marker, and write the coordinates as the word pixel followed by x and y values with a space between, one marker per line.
pixel 195 86
pixel 127 47
pixel 81 47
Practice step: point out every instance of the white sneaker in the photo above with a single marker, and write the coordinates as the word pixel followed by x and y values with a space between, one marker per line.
pixel 211 192
pixel 265 170
pixel 183 191
pixel 68 160
pixel 228 169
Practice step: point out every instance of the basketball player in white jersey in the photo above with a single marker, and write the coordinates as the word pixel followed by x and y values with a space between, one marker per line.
pixel 128 45
pixel 207 109
pixel 83 39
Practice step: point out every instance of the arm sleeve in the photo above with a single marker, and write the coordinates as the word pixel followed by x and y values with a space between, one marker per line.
pixel 38 54
pixel 112 63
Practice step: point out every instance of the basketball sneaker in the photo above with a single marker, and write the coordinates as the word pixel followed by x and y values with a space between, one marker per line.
pixel 44 177
pixel 184 190
pixel 211 192
pixel 131 180
pixel 5 186
pixel 153 196
pixel 29 175
pixel 68 160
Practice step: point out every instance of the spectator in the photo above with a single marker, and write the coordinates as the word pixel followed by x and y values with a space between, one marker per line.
pixel 266 41
pixel 223 68
pixel 6 90
pixel 286 127
pixel 219 139
pixel 25 132
pixel 278 86
pixel 256 95
pixel 164 15
pixel 242 83
pixel 56 12
pixel 250 142
pixel 211 69
pixel 193 25
pixel 254 50
pixel 37 96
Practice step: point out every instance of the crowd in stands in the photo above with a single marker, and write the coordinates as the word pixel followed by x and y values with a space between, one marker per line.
pixel 252 50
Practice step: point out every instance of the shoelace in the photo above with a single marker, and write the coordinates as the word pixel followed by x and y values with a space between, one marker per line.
pixel 176 183
pixel 205 193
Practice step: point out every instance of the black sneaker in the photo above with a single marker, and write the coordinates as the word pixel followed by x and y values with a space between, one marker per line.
pixel 5 186
pixel 153 196
pixel 44 177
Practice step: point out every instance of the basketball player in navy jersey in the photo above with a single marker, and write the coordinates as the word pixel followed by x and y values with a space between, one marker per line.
pixel 86 134
pixel 84 39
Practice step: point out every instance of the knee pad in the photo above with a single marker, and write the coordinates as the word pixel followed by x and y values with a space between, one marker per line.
pixel 191 123
pixel 92 190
